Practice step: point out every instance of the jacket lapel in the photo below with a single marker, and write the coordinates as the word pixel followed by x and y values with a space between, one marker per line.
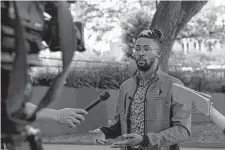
pixel 130 94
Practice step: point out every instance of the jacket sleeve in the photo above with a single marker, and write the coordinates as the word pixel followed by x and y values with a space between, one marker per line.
pixel 180 129
pixel 114 130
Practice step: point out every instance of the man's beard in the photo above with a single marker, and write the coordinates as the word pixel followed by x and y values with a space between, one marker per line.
pixel 143 65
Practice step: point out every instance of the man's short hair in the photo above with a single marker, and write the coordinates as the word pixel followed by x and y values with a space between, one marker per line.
pixel 155 34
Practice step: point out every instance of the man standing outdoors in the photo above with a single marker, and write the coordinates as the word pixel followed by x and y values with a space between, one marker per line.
pixel 148 117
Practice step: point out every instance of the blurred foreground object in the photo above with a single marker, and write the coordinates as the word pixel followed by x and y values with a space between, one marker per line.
pixel 25 24
pixel 187 95
pixel 202 103
pixel 217 118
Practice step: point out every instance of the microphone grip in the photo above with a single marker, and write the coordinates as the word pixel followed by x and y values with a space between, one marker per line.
pixel 90 106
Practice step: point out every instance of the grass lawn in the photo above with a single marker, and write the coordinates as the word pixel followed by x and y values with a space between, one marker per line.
pixel 202 133
pixel 206 133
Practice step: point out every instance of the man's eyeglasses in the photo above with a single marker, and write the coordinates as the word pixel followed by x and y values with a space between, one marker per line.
pixel 145 49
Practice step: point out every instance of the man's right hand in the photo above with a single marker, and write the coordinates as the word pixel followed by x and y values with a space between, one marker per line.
pixel 99 136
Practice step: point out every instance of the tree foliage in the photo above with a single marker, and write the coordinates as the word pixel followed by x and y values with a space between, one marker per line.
pixel 132 26
pixel 101 17
pixel 206 24
pixel 203 25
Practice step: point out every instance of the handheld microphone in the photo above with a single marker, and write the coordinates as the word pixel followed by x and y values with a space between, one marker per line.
pixel 104 96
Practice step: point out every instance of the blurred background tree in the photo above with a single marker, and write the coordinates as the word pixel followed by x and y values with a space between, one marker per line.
pixel 105 21
pixel 168 16
pixel 207 23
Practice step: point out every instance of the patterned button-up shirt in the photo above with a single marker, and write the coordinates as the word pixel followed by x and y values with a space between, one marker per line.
pixel 137 107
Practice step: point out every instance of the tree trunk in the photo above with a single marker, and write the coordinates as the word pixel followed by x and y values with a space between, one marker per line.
pixel 171 17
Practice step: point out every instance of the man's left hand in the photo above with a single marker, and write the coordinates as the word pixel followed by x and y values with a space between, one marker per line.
pixel 131 140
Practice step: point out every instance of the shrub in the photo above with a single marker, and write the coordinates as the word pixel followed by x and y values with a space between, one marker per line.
pixel 199 81
pixel 111 77
pixel 43 76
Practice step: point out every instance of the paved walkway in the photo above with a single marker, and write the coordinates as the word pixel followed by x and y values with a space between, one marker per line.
pixel 96 147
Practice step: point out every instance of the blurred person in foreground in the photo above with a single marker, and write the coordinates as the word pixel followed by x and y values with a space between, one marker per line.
pixel 147 115
pixel 24 27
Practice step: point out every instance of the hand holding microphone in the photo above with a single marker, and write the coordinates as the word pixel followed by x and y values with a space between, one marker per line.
pixel 74 116
pixel 104 96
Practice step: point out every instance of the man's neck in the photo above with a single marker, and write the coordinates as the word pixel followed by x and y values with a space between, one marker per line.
pixel 150 72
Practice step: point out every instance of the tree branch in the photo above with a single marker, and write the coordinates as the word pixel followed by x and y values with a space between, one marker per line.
pixel 189 9
pixel 171 17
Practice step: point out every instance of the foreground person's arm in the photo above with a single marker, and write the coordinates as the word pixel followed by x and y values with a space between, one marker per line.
pixel 66 116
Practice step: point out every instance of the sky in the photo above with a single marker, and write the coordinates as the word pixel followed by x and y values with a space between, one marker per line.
pixel 219 2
